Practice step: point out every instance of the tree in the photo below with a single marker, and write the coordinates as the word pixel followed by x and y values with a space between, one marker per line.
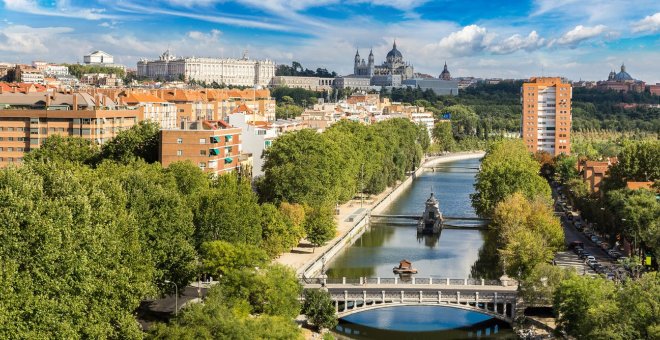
pixel 273 290
pixel 228 211
pixel 72 264
pixel 214 319
pixel 565 168
pixel 638 161
pixel 586 308
pixel 442 135
pixel 279 233
pixel 319 309
pixel 221 257
pixel 507 168
pixel 464 120
pixel 530 234
pixel 320 226
pixel 539 287
pixel 164 219
pixel 57 148
pixel 140 141
pixel 302 167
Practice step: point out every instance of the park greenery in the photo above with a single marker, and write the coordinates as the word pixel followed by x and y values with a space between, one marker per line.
pixel 296 69
pixel 529 232
pixel 321 170
pixel 247 303
pixel 87 232
pixel 78 70
pixel 507 168
pixel 498 107
pixel 319 308
pixel 595 308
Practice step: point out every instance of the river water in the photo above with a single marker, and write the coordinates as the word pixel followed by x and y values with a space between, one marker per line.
pixel 454 254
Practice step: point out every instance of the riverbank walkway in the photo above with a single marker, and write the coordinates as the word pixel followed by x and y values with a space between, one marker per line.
pixel 305 254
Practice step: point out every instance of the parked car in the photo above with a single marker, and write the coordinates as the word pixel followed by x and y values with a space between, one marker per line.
pixel 592 263
pixel 576 244
pixel 590 258
pixel 584 255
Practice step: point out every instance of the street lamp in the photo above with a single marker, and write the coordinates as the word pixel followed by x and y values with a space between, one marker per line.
pixel 176 297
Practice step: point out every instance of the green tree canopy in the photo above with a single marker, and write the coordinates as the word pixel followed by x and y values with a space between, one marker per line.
pixel 319 309
pixel 140 141
pixel 507 168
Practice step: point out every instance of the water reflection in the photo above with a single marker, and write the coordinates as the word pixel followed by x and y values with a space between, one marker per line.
pixel 454 254
pixel 422 322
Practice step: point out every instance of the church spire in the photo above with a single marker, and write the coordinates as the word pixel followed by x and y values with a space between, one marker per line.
pixel 394 45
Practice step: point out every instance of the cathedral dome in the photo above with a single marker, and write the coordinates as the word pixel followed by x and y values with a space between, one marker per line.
pixel 394 53
pixel 623 75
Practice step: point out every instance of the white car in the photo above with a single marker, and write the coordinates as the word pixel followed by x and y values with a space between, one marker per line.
pixel 590 258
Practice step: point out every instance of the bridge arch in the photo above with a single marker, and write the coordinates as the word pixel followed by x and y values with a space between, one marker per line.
pixel 377 305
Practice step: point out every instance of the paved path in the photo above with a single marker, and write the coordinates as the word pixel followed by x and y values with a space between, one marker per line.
pixel 305 254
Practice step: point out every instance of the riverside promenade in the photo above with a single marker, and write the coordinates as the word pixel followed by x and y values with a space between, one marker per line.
pixel 304 255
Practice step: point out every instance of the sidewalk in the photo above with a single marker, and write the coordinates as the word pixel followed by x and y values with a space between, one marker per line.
pixel 304 254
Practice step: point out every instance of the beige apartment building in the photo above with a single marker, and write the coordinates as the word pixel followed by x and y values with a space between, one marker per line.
pixel 546 115
pixel 27 119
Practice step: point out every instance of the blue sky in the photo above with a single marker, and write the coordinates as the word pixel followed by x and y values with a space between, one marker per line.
pixel 579 39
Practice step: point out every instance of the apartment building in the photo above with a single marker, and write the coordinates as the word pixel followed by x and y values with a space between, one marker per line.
pixel 153 108
pixel 213 145
pixel 27 119
pixel 546 115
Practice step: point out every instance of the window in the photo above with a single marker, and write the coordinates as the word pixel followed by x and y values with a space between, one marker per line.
pixel 11 129
pixel 202 141
pixel 202 165
pixel 34 140
pixel 10 139
pixel 202 152
pixel 179 152
pixel 179 140
pixel 44 130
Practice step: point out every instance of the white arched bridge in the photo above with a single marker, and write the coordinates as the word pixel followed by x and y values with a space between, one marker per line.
pixel 492 297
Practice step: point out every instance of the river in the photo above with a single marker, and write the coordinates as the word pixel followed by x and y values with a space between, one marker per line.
pixel 454 254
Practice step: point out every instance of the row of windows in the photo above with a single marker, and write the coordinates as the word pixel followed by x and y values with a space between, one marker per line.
pixel 11 149
pixel 13 139
pixel 11 159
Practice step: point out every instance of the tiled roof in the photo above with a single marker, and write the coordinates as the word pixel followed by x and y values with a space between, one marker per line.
pixel 242 108
pixel 135 97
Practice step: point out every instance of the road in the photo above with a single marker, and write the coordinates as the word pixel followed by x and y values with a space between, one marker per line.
pixel 568 258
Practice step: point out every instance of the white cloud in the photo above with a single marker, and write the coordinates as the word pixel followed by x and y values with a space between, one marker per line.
pixel 517 42
pixel 214 17
pixel 404 5
pixel 469 40
pixel 649 24
pixel 579 34
pixel 29 40
pixel 61 9
pixel 212 36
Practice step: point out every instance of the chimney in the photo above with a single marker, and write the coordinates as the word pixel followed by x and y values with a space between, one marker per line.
pixel 47 100
pixel 75 101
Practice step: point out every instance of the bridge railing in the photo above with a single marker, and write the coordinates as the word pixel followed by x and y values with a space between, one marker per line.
pixel 406 281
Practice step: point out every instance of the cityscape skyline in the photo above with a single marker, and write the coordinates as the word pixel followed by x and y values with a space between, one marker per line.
pixel 578 40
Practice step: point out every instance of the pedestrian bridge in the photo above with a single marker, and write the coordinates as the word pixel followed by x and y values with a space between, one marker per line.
pixel 492 297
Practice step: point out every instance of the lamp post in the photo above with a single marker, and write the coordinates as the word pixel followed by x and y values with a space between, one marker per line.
pixel 176 297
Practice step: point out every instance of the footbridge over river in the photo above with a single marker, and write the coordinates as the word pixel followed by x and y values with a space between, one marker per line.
pixel 492 297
